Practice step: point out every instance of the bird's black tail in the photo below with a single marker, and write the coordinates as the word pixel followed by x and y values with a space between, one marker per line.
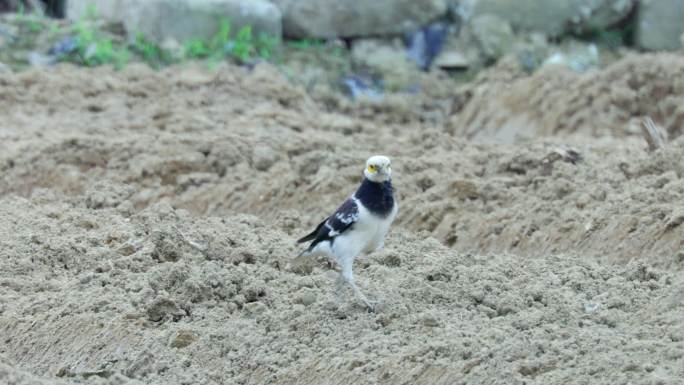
pixel 312 235
pixel 308 237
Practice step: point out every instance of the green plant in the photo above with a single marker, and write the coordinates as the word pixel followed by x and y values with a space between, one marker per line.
pixel 195 49
pixel 54 28
pixel 267 46
pixel 612 38
pixel 32 22
pixel 243 47
pixel 152 54
pixel 219 42
pixel 34 25
pixel 337 52
pixel 93 48
pixel 91 12
pixel 307 44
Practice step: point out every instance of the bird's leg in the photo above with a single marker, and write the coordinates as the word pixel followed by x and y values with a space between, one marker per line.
pixel 339 288
pixel 348 277
pixel 370 305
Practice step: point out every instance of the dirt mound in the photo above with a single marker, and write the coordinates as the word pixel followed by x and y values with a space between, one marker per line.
pixel 238 142
pixel 148 219
pixel 506 104
pixel 164 297
pixel 12 376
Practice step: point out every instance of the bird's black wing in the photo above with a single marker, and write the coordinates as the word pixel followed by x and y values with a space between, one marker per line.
pixel 342 220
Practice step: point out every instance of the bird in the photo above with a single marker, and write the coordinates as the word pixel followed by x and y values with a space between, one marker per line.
pixel 358 226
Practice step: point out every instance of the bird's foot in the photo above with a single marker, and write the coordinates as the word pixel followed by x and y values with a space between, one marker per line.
pixel 372 305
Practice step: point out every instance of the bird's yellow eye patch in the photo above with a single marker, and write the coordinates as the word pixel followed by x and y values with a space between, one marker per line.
pixel 371 168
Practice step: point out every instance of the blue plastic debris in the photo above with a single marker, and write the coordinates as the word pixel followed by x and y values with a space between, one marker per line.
pixel 356 86
pixel 7 34
pixel 425 44
pixel 64 46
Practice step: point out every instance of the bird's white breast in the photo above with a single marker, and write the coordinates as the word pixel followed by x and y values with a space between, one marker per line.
pixel 366 236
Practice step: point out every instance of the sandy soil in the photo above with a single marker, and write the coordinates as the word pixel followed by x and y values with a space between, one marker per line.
pixel 148 219
pixel 506 103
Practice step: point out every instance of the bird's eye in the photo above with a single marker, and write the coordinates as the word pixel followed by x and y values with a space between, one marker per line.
pixel 371 168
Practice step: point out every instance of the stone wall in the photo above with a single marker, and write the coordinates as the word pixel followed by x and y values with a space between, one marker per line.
pixel 654 24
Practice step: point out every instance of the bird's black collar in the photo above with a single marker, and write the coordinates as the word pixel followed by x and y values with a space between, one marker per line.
pixel 377 197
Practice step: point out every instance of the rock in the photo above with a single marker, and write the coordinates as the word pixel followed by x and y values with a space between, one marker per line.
pixel 168 244
pixel 493 35
pixel 173 48
pixel 591 307
pixel 556 17
pixel 577 56
pixel 465 189
pixel 109 10
pixel 429 320
pixel 659 24
pixel 183 338
pixel 351 18
pixel 532 51
pixel 182 20
pixel 164 309
pixel 255 308
pixel 487 38
pixel 264 157
pixel 386 59
pixel 452 60
pixel 601 14
pixel 307 297
pixel 461 51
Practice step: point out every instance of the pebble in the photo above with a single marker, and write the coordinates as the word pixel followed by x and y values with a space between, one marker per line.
pixel 183 338
pixel 264 157
pixel 591 307
pixel 255 308
pixel 429 320
pixel 307 298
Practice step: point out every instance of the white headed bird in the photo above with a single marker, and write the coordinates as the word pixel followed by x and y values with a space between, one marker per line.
pixel 359 225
